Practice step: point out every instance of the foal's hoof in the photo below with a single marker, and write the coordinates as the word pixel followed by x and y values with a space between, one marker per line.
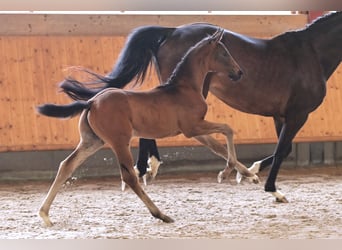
pixel 45 218
pixel 255 179
pixel 167 219
pixel 254 169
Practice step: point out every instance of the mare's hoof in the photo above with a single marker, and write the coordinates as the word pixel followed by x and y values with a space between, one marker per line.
pixel 282 200
pixel 154 165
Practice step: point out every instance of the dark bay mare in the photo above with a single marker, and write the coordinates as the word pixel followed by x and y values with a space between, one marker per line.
pixel 114 116
pixel 284 77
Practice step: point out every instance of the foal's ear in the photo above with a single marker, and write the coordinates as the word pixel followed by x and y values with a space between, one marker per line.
pixel 217 36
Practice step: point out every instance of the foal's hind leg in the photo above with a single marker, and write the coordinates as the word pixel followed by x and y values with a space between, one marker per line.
pixel 222 151
pixel 128 175
pixel 88 145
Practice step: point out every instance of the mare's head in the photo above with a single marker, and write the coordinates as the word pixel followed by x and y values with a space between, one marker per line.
pixel 220 60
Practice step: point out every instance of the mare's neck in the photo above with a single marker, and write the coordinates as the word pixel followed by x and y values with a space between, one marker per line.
pixel 326 38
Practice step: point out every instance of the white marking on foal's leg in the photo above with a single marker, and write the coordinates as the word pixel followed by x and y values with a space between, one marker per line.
pixel 279 197
pixel 123 185
pixel 224 174
pixel 254 169
pixel 144 180
pixel 220 176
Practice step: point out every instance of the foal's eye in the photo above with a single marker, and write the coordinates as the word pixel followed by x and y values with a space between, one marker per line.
pixel 225 54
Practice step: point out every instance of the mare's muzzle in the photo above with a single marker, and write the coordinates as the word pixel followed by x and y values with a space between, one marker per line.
pixel 235 76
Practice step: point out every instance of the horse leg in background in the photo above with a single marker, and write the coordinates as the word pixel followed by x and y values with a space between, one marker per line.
pixel 204 128
pixel 121 148
pixel 88 145
pixel 148 161
pixel 288 132
pixel 154 158
pixel 222 151
pixel 264 163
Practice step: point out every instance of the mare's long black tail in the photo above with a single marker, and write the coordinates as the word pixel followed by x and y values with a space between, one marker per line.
pixel 63 111
pixel 134 61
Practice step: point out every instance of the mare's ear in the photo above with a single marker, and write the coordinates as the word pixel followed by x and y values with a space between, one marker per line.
pixel 217 36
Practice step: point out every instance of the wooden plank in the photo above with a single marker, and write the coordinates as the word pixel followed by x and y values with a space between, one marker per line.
pixel 5 134
pixel 121 25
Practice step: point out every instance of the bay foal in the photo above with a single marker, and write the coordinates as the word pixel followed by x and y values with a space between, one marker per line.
pixel 114 116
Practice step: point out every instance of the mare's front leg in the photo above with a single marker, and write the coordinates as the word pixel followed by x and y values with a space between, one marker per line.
pixel 289 129
pixel 205 128
pixel 87 146
pixel 121 148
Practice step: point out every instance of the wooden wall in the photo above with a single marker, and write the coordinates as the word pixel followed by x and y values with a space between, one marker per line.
pixel 36 49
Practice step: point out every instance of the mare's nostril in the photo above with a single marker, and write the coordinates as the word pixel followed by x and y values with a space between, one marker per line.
pixel 236 75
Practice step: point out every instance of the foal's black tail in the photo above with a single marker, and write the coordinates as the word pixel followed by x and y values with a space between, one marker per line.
pixel 63 111
pixel 134 61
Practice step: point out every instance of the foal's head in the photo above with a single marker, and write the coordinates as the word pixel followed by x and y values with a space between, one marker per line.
pixel 220 60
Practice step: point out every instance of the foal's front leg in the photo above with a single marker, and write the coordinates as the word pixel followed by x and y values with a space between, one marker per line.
pixel 128 175
pixel 218 149
pixel 201 131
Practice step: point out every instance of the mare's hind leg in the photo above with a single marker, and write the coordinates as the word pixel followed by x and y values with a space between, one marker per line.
pixel 148 161
pixel 121 147
pixel 148 158
pixel 222 151
pixel 154 161
pixel 89 144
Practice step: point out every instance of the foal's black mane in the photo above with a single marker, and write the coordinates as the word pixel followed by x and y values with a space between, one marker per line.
pixel 181 64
